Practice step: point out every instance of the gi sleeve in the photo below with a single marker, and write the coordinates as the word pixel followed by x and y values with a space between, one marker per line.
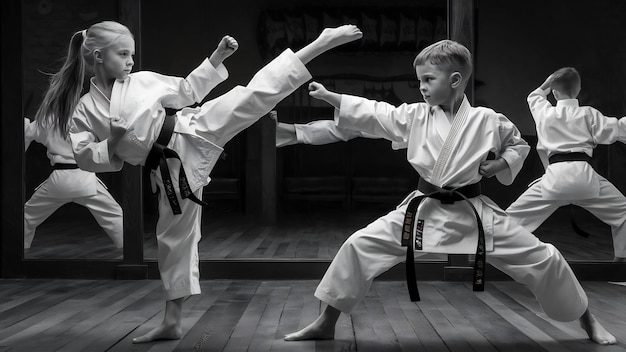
pixel 325 132
pixel 606 130
pixel 91 153
pixel 539 104
pixel 31 132
pixel 514 149
pixel 182 92
pixel 378 119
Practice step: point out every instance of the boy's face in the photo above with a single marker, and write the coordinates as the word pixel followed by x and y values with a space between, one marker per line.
pixel 435 84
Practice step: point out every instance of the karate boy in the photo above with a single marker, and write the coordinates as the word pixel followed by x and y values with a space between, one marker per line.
pixel 566 136
pixel 448 142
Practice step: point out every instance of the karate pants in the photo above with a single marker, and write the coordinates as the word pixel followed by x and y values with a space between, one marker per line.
pixel 102 206
pixel 222 118
pixel 218 120
pixel 530 210
pixel 376 248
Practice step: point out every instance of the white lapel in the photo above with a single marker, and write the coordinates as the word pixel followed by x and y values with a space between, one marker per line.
pixel 97 94
pixel 451 139
pixel 116 97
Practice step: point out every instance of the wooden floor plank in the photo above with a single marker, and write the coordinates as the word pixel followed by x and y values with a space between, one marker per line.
pixel 249 315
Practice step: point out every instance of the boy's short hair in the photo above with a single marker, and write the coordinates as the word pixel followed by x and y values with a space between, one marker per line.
pixel 566 80
pixel 453 55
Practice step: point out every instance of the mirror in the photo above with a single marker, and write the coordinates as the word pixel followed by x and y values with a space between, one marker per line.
pixel 514 57
pixel 58 224
pixel 324 193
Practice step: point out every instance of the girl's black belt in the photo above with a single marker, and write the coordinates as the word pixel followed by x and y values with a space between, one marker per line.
pixel 446 196
pixel 157 157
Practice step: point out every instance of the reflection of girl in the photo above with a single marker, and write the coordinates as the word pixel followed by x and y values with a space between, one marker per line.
pixel 67 183
pixel 122 119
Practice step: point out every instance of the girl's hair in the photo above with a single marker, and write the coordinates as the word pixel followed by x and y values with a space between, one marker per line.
pixel 449 54
pixel 66 85
pixel 566 80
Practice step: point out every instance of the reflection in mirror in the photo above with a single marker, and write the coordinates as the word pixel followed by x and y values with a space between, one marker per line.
pixel 324 193
pixel 514 58
pixel 69 213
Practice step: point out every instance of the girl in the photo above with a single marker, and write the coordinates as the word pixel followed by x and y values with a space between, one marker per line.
pixel 123 119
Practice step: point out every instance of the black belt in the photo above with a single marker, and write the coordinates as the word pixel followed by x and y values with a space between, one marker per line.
pixel 561 157
pixel 58 166
pixel 157 157
pixel 446 196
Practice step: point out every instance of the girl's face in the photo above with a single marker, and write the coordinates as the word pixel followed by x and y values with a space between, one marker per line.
pixel 435 84
pixel 117 59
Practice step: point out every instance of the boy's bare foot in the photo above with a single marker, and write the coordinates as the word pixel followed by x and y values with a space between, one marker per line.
pixel 619 260
pixel 333 37
pixel 161 332
pixel 597 333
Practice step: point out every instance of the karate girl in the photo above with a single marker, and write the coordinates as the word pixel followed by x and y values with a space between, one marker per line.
pixel 448 142
pixel 67 183
pixel 123 119
pixel 566 136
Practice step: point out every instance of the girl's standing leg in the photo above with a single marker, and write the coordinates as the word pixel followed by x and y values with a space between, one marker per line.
pixel 177 240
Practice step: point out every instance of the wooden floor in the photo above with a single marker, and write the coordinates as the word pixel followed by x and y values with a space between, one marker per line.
pixel 75 315
pixel 301 234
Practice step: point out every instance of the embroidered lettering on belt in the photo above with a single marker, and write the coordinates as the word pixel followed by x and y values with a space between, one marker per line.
pixel 419 230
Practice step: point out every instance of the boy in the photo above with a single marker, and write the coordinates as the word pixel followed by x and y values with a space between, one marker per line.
pixel 567 134
pixel 448 143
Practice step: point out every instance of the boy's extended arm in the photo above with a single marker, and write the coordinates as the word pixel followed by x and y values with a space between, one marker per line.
pixel 607 130
pixel 376 119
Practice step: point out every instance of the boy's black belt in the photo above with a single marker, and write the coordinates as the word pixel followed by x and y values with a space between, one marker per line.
pixel 157 157
pixel 446 196
pixel 561 157
pixel 59 166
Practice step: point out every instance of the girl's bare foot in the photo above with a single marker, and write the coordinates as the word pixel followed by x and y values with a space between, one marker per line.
pixel 333 37
pixel 161 332
pixel 315 331
pixel 597 333
pixel 328 39
pixel 323 328
pixel 170 328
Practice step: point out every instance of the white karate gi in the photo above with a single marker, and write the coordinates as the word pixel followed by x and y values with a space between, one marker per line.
pixel 569 128
pixel 65 186
pixel 448 155
pixel 322 132
pixel 199 136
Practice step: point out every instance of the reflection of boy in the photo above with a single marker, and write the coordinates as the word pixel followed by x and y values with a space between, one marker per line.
pixel 448 144
pixel 567 134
